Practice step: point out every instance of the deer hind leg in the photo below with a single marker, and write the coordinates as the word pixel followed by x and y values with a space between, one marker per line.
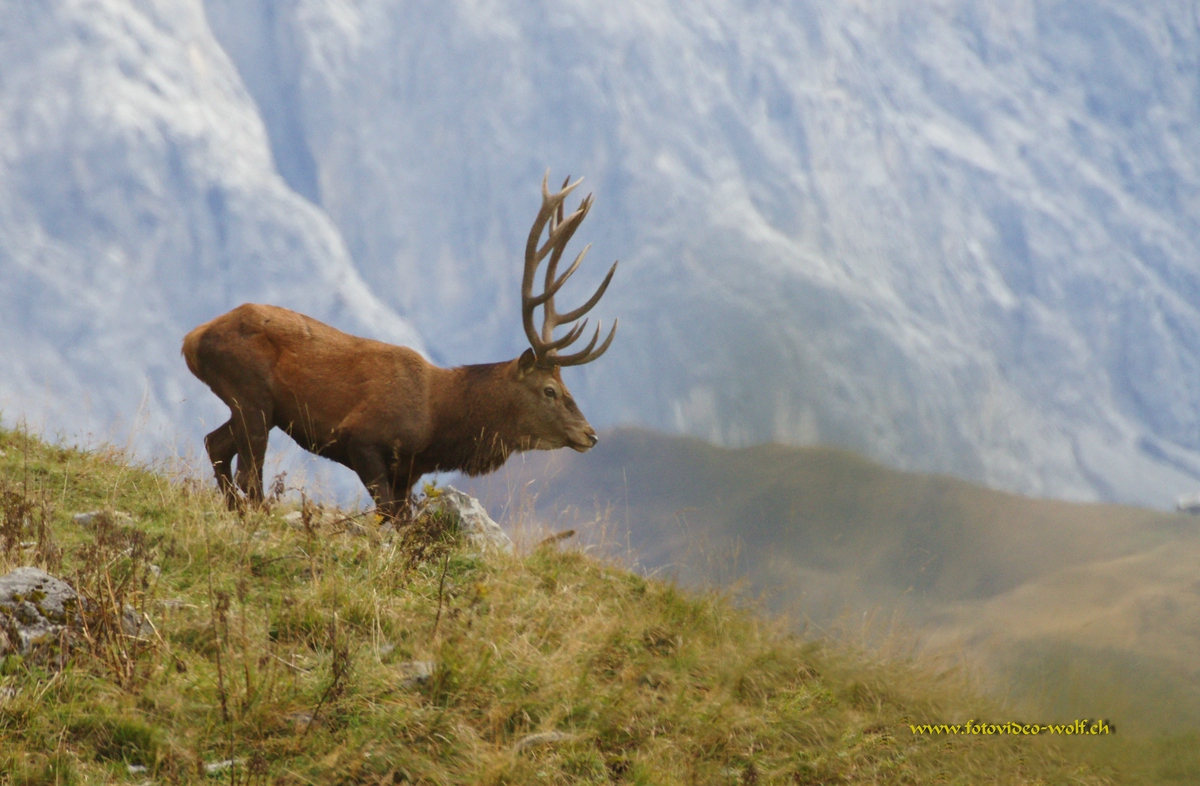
pixel 368 462
pixel 251 428
pixel 222 447
pixel 404 477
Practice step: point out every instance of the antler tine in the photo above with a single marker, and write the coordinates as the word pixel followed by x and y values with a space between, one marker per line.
pixel 551 319
pixel 570 338
pixel 551 205
pixel 559 213
pixel 555 218
pixel 561 234
pixel 561 230
pixel 586 355
pixel 534 255
pixel 571 316
pixel 552 288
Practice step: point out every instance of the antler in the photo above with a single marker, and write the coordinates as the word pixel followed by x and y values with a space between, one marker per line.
pixel 545 346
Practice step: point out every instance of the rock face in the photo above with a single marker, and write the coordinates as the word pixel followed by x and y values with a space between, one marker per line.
pixel 35 609
pixel 951 236
pixel 472 520
pixel 138 199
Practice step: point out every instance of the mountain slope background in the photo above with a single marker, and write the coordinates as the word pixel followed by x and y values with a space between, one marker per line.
pixel 958 237
pixel 139 198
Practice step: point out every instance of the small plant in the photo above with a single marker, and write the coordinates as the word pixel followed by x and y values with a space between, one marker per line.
pixel 429 536
pixel 339 671
pixel 115 580
pixel 25 519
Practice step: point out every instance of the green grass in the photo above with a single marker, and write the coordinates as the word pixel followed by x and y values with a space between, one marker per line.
pixel 290 651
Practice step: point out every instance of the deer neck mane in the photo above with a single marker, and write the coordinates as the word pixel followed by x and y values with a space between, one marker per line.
pixel 477 418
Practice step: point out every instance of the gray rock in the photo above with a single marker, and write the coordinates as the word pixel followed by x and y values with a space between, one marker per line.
pixel 543 738
pixel 217 766
pixel 134 623
pixel 472 520
pixel 1188 503
pixel 416 672
pixel 35 607
pixel 88 518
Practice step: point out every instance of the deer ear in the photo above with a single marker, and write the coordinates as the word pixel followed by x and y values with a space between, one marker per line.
pixel 525 363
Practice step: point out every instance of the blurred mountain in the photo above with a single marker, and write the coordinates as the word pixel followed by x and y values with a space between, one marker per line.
pixel 957 237
pixel 138 198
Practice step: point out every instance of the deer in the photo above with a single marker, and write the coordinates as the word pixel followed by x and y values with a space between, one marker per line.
pixel 383 410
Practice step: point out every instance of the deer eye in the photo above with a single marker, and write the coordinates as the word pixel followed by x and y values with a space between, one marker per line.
pixel 549 392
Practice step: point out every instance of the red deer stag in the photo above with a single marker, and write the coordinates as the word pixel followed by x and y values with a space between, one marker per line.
pixel 382 410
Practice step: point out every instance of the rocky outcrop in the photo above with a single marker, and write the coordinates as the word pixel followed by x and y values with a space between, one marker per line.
pixel 39 612
pixel 467 514
pixel 36 609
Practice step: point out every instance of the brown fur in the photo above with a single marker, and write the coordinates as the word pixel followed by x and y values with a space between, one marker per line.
pixel 381 410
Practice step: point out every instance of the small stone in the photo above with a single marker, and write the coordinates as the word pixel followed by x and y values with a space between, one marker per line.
pixel 88 518
pixel 134 623
pixel 218 766
pixel 416 673
pixel 543 738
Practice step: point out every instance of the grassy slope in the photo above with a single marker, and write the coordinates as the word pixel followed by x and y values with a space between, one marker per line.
pixel 1077 609
pixel 261 627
